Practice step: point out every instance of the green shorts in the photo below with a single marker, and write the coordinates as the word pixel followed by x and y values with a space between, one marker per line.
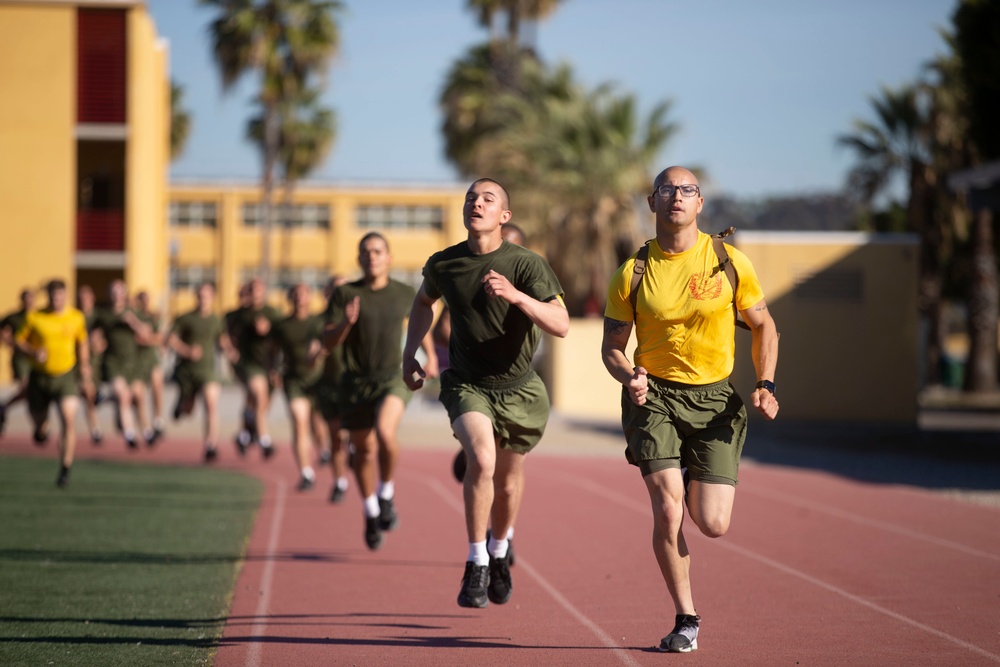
pixel 115 367
pixel 20 366
pixel 191 380
pixel 519 410
pixel 250 368
pixel 701 428
pixel 44 390
pixel 296 387
pixel 361 396
pixel 328 398
pixel 145 362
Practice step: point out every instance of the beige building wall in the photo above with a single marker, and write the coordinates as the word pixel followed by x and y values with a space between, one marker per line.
pixel 845 305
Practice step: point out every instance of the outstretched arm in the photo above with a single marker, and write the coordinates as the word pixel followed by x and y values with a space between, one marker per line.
pixel 419 325
pixel 550 316
pixel 764 350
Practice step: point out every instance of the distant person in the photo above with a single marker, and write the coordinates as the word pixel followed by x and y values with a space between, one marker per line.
pixel 683 421
pixel 56 341
pixel 256 359
pixel 93 394
pixel 194 337
pixel 501 298
pixel 20 363
pixel 328 400
pixel 232 324
pixel 298 337
pixel 367 318
pixel 149 369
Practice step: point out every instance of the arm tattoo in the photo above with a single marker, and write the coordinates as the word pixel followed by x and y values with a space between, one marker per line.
pixel 759 308
pixel 615 327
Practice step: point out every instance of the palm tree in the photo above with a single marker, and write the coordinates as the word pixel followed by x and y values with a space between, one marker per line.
pixel 285 42
pixel 899 145
pixel 180 121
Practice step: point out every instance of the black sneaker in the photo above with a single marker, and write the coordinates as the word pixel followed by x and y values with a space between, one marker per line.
pixel 242 441
pixel 459 465
pixel 684 637
pixel 500 586
pixel 3 416
pixel 305 483
pixel 373 533
pixel 63 479
pixel 510 548
pixel 41 434
pixel 131 443
pixel 96 436
pixel 337 494
pixel 154 436
pixel 211 453
pixel 267 451
pixel 475 581
pixel 388 519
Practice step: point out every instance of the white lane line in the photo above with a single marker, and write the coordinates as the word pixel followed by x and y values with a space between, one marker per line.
pixel 631 504
pixel 602 636
pixel 255 653
pixel 873 523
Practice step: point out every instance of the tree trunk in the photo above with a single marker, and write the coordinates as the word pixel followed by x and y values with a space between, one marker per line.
pixel 981 369
pixel 271 135
pixel 919 211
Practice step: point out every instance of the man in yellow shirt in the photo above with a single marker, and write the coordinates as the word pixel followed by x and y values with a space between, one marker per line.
pixel 56 340
pixel 681 417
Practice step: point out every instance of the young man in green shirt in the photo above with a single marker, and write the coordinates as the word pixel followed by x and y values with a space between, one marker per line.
pixel 20 363
pixel 501 297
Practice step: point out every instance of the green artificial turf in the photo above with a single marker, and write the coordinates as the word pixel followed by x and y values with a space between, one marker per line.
pixel 129 565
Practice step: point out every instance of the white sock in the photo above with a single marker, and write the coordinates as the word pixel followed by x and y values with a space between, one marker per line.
pixel 497 548
pixel 510 533
pixel 128 434
pixel 371 507
pixel 387 490
pixel 309 473
pixel 478 553
pixel 342 483
pixel 265 441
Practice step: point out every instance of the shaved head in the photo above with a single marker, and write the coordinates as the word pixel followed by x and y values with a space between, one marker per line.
pixel 676 174
pixel 501 191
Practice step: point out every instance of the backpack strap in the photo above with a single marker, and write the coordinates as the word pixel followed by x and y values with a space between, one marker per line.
pixel 638 271
pixel 726 264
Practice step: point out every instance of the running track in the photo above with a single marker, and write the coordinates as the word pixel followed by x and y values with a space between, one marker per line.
pixel 816 570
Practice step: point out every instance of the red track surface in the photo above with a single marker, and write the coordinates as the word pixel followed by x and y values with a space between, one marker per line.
pixel 816 570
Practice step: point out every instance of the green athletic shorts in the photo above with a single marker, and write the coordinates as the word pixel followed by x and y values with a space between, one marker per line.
pixel 190 380
pixel 248 369
pixel 328 398
pixel 361 395
pixel 44 390
pixel 114 367
pixel 296 387
pixel 145 362
pixel 20 366
pixel 519 410
pixel 700 427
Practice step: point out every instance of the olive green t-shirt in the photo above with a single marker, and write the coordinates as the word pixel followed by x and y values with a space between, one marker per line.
pixel 253 347
pixel 374 345
pixel 333 366
pixel 119 335
pixel 148 353
pixel 491 342
pixel 194 329
pixel 15 322
pixel 294 337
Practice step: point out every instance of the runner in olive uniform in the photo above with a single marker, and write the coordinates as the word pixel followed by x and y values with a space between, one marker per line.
pixel 298 338
pixel 56 340
pixel 93 393
pixel 256 358
pixel 20 363
pixel 149 371
pixel 328 400
pixel 120 328
pixel 194 337
pixel 369 316
pixel 501 298
pixel 231 321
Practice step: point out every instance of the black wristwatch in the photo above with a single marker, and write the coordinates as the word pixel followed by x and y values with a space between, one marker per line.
pixel 765 384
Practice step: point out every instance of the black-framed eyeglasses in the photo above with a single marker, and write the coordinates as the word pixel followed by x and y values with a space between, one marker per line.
pixel 667 191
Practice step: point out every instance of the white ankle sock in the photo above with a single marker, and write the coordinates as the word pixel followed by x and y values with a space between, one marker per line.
pixel 371 507
pixel 510 533
pixel 342 483
pixel 497 548
pixel 387 490
pixel 478 553
pixel 309 473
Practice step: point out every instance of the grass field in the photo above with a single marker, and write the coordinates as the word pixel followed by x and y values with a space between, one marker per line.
pixel 129 565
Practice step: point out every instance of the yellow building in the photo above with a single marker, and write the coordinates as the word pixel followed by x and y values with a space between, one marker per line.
pixel 216 234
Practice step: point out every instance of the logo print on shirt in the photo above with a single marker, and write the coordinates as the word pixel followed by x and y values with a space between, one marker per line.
pixel 705 287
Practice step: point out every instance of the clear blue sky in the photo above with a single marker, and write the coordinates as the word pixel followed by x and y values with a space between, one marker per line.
pixel 760 89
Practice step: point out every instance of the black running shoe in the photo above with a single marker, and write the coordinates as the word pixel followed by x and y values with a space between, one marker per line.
pixel 242 441
pixel 41 434
pixel 96 436
pixel 154 436
pixel 305 483
pixel 131 443
pixel 63 479
pixel 211 453
pixel 684 637
pixel 267 451
pixel 510 548
pixel 500 586
pixel 3 416
pixel 459 466
pixel 475 581
pixel 373 533
pixel 388 519
pixel 337 494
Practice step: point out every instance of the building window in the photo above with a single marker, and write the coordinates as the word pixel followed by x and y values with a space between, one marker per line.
pixel 314 277
pixel 190 277
pixel 193 214
pixel 303 216
pixel 400 217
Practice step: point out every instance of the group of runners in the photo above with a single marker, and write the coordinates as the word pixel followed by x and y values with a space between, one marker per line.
pixel 349 369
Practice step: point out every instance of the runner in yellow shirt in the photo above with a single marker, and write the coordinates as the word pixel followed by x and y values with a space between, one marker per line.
pixel 56 340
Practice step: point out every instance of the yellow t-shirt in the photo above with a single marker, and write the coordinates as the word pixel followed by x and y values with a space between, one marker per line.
pixel 58 334
pixel 685 328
